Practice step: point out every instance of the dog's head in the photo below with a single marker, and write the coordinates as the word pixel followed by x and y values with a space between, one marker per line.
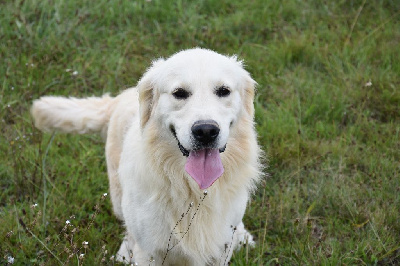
pixel 196 97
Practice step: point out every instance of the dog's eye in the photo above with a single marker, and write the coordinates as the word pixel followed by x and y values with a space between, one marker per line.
pixel 181 94
pixel 222 91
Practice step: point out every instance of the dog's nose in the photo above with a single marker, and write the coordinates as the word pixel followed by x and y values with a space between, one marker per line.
pixel 205 131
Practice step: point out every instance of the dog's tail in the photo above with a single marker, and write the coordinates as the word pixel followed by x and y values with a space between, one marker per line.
pixel 72 115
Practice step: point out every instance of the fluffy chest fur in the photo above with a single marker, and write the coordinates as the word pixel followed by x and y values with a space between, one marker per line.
pixel 164 208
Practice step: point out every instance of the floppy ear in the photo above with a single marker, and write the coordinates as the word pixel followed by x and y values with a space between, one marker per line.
pixel 146 92
pixel 248 95
pixel 249 87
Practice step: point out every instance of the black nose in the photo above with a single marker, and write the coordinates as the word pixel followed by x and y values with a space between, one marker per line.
pixel 205 131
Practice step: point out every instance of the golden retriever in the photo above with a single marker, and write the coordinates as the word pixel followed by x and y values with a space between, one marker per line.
pixel 182 156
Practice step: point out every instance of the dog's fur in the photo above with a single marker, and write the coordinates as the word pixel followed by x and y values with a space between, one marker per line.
pixel 150 189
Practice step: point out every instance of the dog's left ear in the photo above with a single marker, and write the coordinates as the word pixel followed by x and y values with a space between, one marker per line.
pixel 145 88
pixel 249 87
pixel 248 95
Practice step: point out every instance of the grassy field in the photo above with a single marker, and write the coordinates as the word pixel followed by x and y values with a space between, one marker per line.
pixel 327 112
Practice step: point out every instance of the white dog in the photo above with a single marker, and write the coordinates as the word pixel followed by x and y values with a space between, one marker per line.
pixel 182 156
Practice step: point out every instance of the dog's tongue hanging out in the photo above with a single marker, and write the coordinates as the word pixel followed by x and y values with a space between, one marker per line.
pixel 204 166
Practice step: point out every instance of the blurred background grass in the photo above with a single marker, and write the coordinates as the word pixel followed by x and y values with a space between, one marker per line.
pixel 327 112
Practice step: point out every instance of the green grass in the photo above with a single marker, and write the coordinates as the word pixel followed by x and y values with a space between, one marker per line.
pixel 332 138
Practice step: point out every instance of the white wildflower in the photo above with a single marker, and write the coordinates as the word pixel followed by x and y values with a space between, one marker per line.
pixel 75 73
pixel 368 84
pixel 81 256
pixel 68 70
pixel 105 194
pixel 67 222
pixel 10 260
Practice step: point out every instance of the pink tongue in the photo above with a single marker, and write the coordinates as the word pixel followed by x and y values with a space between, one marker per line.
pixel 204 166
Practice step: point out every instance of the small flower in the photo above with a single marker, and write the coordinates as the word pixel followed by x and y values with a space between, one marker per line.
pixel 10 260
pixel 9 234
pixel 112 258
pixel 368 84
pixel 81 256
pixel 68 70
pixel 67 222
pixel 105 195
pixel 75 73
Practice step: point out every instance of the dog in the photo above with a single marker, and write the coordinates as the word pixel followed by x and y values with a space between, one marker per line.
pixel 182 156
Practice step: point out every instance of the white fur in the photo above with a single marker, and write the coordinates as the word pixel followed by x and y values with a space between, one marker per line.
pixel 72 115
pixel 161 205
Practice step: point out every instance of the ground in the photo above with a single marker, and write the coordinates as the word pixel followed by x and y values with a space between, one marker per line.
pixel 327 112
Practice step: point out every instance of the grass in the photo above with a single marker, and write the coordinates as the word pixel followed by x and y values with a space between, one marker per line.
pixel 327 112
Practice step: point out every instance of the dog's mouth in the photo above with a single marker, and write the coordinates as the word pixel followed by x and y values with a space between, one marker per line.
pixel 186 152
pixel 203 164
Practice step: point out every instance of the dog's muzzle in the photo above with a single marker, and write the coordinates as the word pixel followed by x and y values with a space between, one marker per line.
pixel 203 161
pixel 204 132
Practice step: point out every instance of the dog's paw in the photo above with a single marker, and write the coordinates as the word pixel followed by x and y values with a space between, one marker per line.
pixel 124 253
pixel 243 237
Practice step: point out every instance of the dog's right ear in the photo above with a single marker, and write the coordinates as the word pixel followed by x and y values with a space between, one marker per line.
pixel 146 91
